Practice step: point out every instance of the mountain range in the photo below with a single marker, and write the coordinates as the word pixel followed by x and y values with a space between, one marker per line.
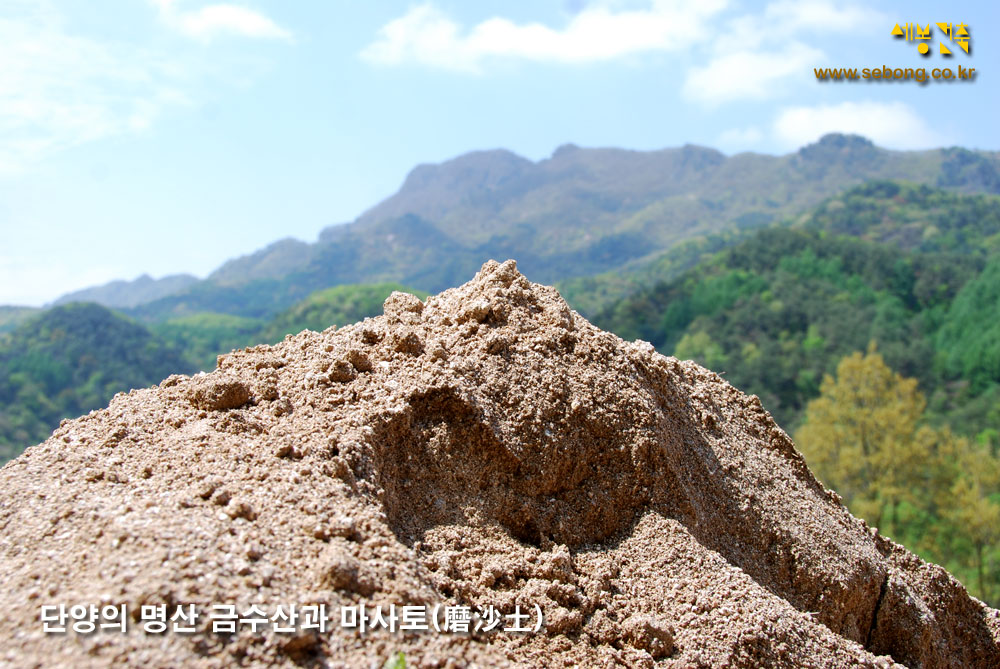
pixel 123 294
pixel 707 256
pixel 578 213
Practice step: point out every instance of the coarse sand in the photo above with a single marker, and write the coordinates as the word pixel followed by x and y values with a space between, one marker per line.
pixel 487 450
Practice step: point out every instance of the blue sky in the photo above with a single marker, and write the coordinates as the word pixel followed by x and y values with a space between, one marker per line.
pixel 166 136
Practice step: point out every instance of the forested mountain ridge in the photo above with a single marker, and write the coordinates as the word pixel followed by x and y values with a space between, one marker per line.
pixel 11 317
pixel 909 216
pixel 777 311
pixel 578 195
pixel 73 358
pixel 123 294
pixel 912 217
pixel 577 213
pixel 204 335
pixel 914 268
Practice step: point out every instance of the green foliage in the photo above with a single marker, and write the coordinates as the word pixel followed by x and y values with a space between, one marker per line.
pixel 69 360
pixel 204 336
pixel 700 346
pixel 913 217
pixel 591 295
pixel 74 358
pixel 970 336
pixel 11 317
pixel 866 437
pixel 908 216
pixel 860 436
pixel 784 305
pixel 340 305
pixel 972 509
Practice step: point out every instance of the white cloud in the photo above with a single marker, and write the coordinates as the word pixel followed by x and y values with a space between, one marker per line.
pixel 58 90
pixel 427 36
pixel 212 21
pixel 740 138
pixel 894 125
pixel 748 75
pixel 758 56
pixel 782 20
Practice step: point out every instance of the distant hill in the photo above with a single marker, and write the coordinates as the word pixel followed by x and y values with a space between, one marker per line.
pixel 65 361
pixel 913 267
pixel 579 213
pixel 911 217
pixel 69 360
pixel 340 306
pixel 284 256
pixel 203 336
pixel 11 317
pixel 124 294
pixel 778 311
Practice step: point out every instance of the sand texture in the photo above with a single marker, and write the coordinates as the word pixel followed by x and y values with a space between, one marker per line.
pixel 486 448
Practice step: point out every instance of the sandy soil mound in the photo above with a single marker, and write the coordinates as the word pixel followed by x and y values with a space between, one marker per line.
pixel 489 451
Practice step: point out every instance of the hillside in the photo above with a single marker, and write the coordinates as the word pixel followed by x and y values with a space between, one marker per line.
pixel 11 317
pixel 897 263
pixel 969 338
pixel 340 306
pixel 123 294
pixel 282 257
pixel 73 358
pixel 908 216
pixel 776 312
pixel 577 213
pixel 912 217
pixel 590 295
pixel 69 360
pixel 204 336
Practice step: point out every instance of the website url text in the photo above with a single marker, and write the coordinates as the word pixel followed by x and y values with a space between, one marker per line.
pixel 886 73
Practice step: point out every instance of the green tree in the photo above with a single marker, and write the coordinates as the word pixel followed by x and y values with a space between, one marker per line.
pixel 974 512
pixel 861 436
pixel 866 437
pixel 970 337
pixel 68 360
pixel 700 348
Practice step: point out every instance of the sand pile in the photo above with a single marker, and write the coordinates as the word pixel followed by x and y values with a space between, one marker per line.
pixel 484 455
